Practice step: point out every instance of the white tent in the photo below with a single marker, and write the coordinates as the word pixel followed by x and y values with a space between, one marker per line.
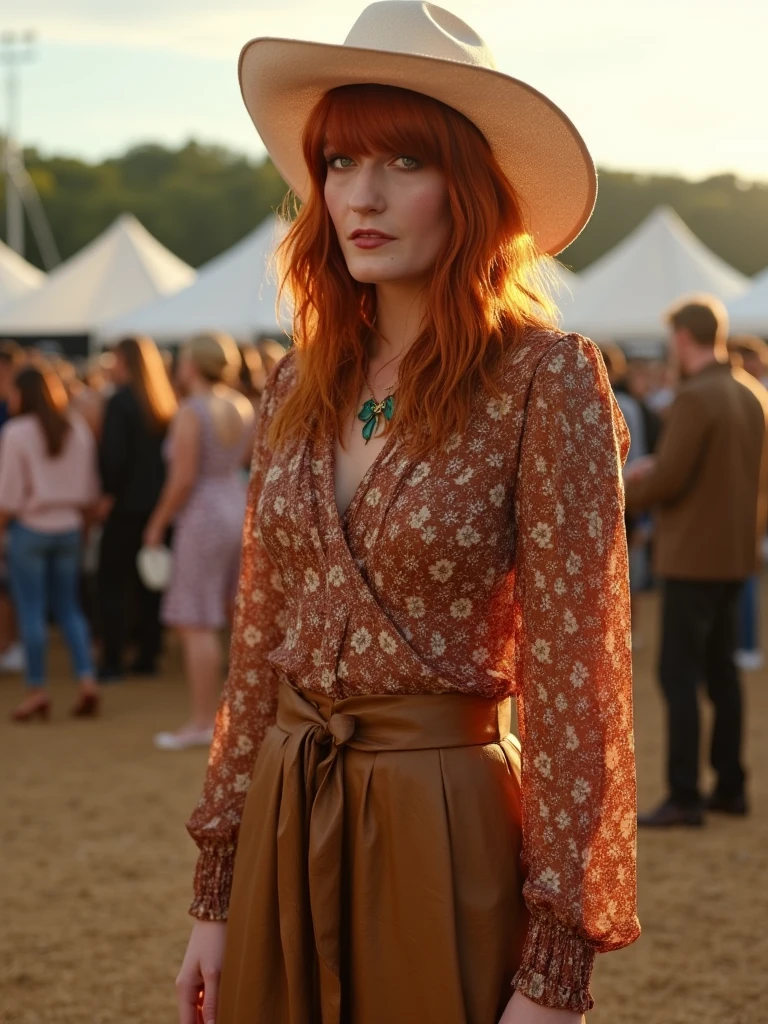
pixel 235 292
pixel 121 269
pixel 749 313
pixel 17 277
pixel 624 295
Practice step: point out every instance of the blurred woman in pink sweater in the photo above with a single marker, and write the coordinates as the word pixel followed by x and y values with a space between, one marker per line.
pixel 48 482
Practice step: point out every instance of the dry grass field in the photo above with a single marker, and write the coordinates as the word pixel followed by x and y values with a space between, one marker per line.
pixel 95 870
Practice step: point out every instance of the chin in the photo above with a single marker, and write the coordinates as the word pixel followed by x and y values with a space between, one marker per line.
pixel 373 272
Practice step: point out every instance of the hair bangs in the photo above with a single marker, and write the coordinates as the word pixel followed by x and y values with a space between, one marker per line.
pixel 365 119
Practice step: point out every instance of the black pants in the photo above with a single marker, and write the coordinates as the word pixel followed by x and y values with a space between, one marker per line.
pixel 699 632
pixel 128 609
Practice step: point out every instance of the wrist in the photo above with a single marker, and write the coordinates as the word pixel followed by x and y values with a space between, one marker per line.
pixel 522 1010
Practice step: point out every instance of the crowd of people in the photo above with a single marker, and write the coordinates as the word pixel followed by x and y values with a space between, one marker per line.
pixel 138 450
pixel 131 452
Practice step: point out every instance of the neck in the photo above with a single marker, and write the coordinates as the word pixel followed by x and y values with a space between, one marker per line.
pixel 201 386
pixel 700 360
pixel 400 307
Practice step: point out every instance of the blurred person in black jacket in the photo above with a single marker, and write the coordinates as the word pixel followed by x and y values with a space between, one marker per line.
pixel 132 475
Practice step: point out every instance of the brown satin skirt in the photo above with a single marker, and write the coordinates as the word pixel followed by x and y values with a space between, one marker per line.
pixel 377 877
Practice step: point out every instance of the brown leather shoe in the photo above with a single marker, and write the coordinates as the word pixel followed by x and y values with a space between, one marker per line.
pixel 669 814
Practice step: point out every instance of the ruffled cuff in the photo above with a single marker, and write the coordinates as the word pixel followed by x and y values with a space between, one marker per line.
pixel 556 965
pixel 213 883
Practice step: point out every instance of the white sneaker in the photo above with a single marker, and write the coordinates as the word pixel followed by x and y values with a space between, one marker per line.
pixel 12 659
pixel 749 661
pixel 184 739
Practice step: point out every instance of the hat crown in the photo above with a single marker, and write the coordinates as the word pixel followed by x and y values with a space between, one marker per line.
pixel 415 27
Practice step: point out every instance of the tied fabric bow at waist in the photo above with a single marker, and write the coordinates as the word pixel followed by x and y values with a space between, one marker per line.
pixel 311 817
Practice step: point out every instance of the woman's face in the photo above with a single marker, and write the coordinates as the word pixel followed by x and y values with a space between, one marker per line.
pixel 390 212
pixel 186 372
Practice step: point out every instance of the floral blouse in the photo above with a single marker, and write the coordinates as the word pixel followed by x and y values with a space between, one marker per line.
pixel 497 565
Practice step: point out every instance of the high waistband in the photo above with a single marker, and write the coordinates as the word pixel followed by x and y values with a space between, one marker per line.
pixel 396 721
pixel 319 729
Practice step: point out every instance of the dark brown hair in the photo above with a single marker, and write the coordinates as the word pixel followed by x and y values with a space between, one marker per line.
pixel 704 318
pixel 149 381
pixel 42 395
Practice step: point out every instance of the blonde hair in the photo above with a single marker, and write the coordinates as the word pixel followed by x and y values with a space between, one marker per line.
pixel 215 356
pixel 149 380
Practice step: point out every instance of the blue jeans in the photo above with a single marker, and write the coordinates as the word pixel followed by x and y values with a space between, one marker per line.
pixel 44 571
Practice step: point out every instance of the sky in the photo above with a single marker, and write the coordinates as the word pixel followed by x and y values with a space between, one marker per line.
pixel 676 86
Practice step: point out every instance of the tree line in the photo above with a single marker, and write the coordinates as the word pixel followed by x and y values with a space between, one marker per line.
pixel 199 199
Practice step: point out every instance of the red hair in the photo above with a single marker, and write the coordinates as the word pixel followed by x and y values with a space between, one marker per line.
pixel 482 294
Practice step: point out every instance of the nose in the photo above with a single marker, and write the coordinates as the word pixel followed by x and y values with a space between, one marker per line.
pixel 366 195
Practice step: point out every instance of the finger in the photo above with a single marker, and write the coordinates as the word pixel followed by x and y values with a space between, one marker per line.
pixel 210 996
pixel 188 997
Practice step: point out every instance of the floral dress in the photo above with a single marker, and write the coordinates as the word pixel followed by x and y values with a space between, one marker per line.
pixel 495 566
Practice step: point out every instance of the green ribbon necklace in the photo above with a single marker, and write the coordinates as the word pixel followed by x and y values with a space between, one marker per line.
pixel 373 410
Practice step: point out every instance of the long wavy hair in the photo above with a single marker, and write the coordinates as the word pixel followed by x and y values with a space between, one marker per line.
pixel 43 396
pixel 149 381
pixel 488 283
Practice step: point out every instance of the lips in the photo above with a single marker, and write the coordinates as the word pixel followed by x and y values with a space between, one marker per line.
pixel 371 233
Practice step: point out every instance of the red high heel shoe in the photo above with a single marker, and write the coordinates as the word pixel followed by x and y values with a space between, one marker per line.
pixel 42 710
pixel 87 706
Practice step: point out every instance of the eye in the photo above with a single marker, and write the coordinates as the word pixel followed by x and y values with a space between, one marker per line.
pixel 339 163
pixel 408 163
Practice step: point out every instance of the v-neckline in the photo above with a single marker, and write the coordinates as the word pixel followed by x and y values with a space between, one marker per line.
pixel 343 518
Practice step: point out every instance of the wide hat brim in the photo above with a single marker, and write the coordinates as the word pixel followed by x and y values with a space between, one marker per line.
pixel 534 142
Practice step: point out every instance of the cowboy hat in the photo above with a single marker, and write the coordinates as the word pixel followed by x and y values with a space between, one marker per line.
pixel 424 48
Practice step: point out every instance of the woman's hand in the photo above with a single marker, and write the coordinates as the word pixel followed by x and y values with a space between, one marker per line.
pixel 521 1010
pixel 197 986
pixel 154 534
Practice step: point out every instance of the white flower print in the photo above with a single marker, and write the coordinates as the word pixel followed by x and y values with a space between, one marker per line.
pixel 541 580
pixel 480 655
pixel 373 497
pixel 560 587
pixel 495 460
pixel 279 504
pixel 252 635
pixel 541 533
pixel 466 476
pixel 311 580
pixel 581 790
pixel 317 657
pixel 244 743
pixel 387 642
pixel 336 575
pixel 592 413
pixel 579 674
pixel 429 534
pixel 541 651
pixel 327 680
pixel 274 473
pixel 242 783
pixel 416 607
pixel 541 464
pixel 550 879
pixel 461 608
pixel 573 564
pixel 498 407
pixel 467 536
pixel 561 702
pixel 563 820
pixel 417 519
pixel 571 739
pixel 317 466
pixel 251 677
pixel 360 640
pixel 438 644
pixel 569 622
pixel 497 495
pixel 283 537
pixel 442 570
pixel 420 473
pixel 543 762
pixel 543 810
pixel 556 364
pixel 559 514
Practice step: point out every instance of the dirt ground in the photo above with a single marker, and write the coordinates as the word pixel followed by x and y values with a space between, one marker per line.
pixel 95 870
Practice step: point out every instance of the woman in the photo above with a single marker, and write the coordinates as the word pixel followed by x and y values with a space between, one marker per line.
pixel 434 525
pixel 204 498
pixel 132 476
pixel 48 484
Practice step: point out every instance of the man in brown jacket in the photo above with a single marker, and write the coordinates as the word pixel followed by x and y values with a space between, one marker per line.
pixel 708 485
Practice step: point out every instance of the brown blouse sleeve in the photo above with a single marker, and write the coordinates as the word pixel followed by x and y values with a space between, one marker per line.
pixel 574 672
pixel 249 699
